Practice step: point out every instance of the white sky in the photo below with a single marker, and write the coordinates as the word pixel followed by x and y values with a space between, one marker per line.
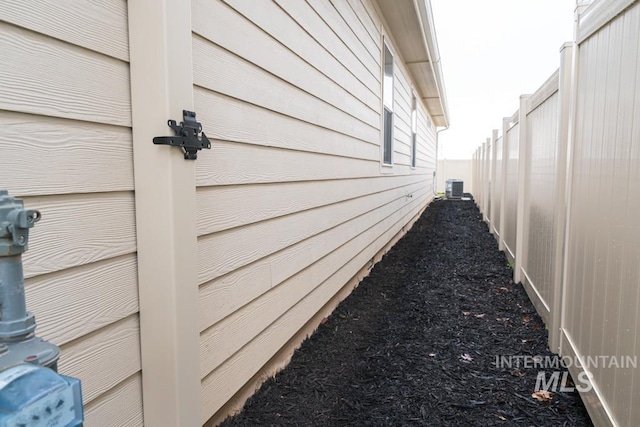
pixel 493 51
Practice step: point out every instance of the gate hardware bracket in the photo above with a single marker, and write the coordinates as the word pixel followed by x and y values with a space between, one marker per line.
pixel 186 136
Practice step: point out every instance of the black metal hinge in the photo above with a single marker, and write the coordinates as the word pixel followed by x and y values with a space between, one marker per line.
pixel 187 136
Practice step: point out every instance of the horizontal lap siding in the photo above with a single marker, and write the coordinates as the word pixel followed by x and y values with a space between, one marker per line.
pixel 217 385
pixel 402 99
pixel 426 143
pixel 336 60
pixel 602 290
pixel 67 151
pixel 539 210
pixel 291 201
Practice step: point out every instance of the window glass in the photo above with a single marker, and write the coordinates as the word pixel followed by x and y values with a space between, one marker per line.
pixel 387 101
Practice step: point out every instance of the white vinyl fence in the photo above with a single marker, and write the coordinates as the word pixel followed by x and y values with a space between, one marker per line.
pixel 563 203
pixel 455 169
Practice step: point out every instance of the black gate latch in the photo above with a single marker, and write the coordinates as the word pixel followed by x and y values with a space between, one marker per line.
pixel 186 136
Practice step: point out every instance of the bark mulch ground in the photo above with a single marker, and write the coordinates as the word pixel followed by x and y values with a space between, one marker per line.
pixel 416 342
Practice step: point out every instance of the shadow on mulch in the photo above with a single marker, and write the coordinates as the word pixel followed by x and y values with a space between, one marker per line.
pixel 416 343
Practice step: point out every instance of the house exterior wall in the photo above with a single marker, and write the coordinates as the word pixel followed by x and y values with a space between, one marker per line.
pixel 292 200
pixel 66 147
pixel 279 220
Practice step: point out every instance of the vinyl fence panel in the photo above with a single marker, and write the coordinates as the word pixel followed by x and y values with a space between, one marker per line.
pixel 511 140
pixel 498 182
pixel 603 253
pixel 569 206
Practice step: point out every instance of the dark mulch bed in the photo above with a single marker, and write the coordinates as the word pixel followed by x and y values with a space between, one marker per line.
pixel 393 353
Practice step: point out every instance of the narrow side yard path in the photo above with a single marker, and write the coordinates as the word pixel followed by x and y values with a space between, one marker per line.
pixel 416 343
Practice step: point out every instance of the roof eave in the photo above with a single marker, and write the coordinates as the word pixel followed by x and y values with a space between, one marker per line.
pixel 411 23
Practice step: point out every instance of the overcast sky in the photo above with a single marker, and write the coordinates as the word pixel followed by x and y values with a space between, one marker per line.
pixel 491 52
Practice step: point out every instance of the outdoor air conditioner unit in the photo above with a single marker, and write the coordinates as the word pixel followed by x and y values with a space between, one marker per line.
pixel 454 188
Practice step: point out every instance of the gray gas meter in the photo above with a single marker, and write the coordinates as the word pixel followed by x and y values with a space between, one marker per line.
pixel 35 396
pixel 32 393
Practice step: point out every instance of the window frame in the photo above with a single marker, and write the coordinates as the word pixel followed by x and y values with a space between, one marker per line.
pixel 414 129
pixel 387 126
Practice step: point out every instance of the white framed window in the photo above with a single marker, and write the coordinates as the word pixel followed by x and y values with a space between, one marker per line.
pixel 414 129
pixel 387 106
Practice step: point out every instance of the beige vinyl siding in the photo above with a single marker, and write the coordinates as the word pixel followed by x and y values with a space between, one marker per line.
pixel 67 146
pixel 347 30
pixel 336 60
pixel 602 292
pixel 425 147
pixel 426 150
pixel 221 383
pixel 120 406
pixel 511 190
pixel 292 200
